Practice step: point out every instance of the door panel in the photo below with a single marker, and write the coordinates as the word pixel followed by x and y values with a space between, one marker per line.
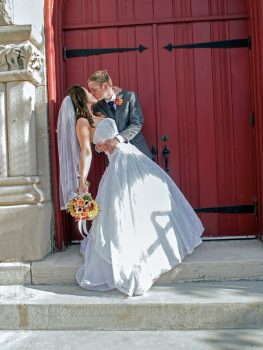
pixel 169 92
pixel 215 139
pixel 198 98
pixel 146 85
pixel 205 126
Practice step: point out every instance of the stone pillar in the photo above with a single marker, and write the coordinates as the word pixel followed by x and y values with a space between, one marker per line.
pixel 6 11
pixel 25 200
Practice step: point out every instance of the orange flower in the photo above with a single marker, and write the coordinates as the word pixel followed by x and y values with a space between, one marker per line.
pixel 84 215
pixel 118 101
pixel 82 207
pixel 80 202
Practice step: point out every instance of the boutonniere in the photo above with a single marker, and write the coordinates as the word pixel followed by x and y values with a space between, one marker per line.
pixel 119 101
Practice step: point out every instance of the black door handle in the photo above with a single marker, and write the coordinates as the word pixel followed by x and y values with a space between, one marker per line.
pixel 166 152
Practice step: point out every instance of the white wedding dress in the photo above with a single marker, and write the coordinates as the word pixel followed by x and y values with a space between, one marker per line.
pixel 145 225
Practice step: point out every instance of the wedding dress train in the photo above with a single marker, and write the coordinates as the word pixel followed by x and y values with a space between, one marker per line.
pixel 145 225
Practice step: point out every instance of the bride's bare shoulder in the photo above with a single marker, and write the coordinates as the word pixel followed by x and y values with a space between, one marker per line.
pixel 82 122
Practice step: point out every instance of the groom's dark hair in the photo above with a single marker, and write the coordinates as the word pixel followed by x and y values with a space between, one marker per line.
pixel 101 76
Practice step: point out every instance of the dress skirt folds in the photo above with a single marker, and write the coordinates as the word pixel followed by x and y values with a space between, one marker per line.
pixel 145 226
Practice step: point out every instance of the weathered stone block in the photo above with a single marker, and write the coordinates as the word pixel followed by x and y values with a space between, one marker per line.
pixel 25 231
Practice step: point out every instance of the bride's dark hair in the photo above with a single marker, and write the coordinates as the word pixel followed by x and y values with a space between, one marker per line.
pixel 80 99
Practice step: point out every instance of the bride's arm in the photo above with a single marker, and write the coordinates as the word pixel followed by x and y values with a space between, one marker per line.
pixel 83 135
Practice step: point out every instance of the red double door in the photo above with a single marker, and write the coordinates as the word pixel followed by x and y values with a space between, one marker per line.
pixel 196 100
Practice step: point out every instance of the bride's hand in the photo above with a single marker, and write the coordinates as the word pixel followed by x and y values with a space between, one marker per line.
pixel 84 187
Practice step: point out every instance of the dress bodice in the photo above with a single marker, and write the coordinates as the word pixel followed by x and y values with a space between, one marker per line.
pixel 105 129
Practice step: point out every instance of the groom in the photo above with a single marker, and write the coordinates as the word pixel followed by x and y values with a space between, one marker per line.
pixel 123 107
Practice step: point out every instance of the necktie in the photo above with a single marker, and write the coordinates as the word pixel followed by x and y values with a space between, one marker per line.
pixel 111 106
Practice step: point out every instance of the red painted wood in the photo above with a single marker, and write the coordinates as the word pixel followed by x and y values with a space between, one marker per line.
pixel 163 67
pixel 200 98
pixel 236 7
pixel 90 12
pixel 169 118
pixel 55 87
pixel 130 23
pixel 244 158
pixel 143 10
pixel 108 11
pixel 74 12
pixel 127 62
pixel 225 154
pixel 74 68
pixel 125 10
pixel 163 9
pixel 234 10
pixel 200 8
pixel 256 29
pixel 109 38
pixel 205 126
pixel 186 108
pixel 146 86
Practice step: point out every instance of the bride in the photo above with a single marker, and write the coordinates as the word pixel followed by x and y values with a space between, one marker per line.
pixel 145 226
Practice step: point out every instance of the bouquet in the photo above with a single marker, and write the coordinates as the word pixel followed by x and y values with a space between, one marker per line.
pixel 82 207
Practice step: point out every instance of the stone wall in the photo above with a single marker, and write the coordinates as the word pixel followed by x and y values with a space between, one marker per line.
pixel 25 196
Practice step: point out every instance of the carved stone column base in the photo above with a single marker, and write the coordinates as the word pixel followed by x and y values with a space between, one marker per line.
pixel 25 199
pixel 20 190
pixel 25 231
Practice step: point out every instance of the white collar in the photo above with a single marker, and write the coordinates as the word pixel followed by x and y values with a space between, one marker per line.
pixel 113 97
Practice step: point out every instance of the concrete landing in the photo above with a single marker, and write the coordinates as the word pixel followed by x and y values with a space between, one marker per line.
pixel 177 306
pixel 132 340
pixel 212 261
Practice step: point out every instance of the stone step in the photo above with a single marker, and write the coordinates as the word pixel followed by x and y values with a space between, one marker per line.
pixel 176 306
pixel 212 261
pixel 238 339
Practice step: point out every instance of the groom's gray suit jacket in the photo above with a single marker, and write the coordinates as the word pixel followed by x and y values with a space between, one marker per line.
pixel 129 119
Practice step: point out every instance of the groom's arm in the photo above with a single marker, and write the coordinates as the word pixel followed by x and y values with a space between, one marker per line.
pixel 135 118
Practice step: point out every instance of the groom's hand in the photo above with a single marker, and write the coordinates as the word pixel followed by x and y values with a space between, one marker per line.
pixel 100 147
pixel 111 144
pixel 107 146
